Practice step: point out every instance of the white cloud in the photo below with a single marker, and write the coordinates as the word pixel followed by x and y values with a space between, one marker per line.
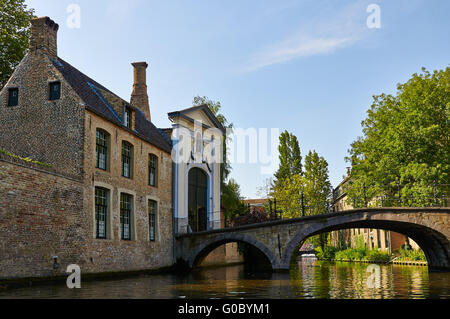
pixel 296 49
pixel 332 29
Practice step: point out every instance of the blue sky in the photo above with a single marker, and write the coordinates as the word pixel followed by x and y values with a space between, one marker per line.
pixel 308 66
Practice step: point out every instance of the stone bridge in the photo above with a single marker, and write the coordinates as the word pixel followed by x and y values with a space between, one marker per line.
pixel 279 240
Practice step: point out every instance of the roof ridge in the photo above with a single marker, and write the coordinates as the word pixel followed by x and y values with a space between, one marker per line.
pixel 88 90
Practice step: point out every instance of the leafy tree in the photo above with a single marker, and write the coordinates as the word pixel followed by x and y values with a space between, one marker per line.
pixel 317 191
pixel 318 186
pixel 290 157
pixel 232 200
pixel 315 187
pixel 405 140
pixel 287 193
pixel 14 35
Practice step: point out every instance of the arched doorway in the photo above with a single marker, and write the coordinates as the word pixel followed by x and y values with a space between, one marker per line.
pixel 198 200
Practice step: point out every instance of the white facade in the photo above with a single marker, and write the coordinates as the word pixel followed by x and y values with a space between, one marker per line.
pixel 197 145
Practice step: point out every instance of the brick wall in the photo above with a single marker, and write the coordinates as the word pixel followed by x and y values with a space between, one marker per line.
pixel 44 130
pixel 41 216
pixel 114 254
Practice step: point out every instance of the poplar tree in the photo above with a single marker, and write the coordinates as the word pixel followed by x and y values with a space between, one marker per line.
pixel 318 187
pixel 317 191
pixel 290 157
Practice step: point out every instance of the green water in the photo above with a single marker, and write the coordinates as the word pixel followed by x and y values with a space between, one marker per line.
pixel 306 279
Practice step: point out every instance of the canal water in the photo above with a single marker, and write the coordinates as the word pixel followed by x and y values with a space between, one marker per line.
pixel 308 278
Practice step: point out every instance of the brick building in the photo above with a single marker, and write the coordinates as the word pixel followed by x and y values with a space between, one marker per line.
pixel 101 191
pixel 372 238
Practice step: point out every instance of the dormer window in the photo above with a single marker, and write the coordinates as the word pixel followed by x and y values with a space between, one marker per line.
pixel 127 118
pixel 55 91
pixel 13 97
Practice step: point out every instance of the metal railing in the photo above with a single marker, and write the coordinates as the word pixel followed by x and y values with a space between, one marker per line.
pixel 417 196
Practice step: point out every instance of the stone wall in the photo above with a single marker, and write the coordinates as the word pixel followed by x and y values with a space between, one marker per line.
pixel 114 254
pixel 41 216
pixel 280 240
pixel 46 131
pixel 44 213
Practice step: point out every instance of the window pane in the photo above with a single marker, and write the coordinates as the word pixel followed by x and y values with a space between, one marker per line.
pixel 13 98
pixel 127 156
pixel 101 209
pixel 102 150
pixel 127 118
pixel 125 216
pixel 55 91
pixel 153 170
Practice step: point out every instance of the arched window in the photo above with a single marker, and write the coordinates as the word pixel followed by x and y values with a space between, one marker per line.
pixel 153 170
pixel 102 150
pixel 127 160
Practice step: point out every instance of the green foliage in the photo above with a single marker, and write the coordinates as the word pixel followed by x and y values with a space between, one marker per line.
pixel 378 256
pixel 232 200
pixel 410 255
pixel 327 253
pixel 288 195
pixel 314 184
pixel 290 157
pixel 363 254
pixel 359 242
pixel 351 254
pixel 318 186
pixel 26 159
pixel 14 35
pixel 405 139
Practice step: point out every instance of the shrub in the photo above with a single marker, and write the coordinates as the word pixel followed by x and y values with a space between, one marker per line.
pixel 411 255
pixel 328 254
pixel 377 256
pixel 363 254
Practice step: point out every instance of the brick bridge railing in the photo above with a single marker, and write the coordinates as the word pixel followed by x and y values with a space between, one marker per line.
pixel 279 240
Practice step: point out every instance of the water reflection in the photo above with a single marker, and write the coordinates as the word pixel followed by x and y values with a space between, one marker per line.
pixel 309 278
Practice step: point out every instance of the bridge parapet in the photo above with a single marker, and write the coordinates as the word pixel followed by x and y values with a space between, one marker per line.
pixel 278 240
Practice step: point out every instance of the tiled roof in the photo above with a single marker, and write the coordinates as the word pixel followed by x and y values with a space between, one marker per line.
pixel 89 91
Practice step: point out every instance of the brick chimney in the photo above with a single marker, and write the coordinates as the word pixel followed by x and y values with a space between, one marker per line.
pixel 139 97
pixel 44 36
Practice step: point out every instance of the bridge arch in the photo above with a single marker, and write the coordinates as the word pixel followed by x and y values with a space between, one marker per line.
pixel 208 246
pixel 431 237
